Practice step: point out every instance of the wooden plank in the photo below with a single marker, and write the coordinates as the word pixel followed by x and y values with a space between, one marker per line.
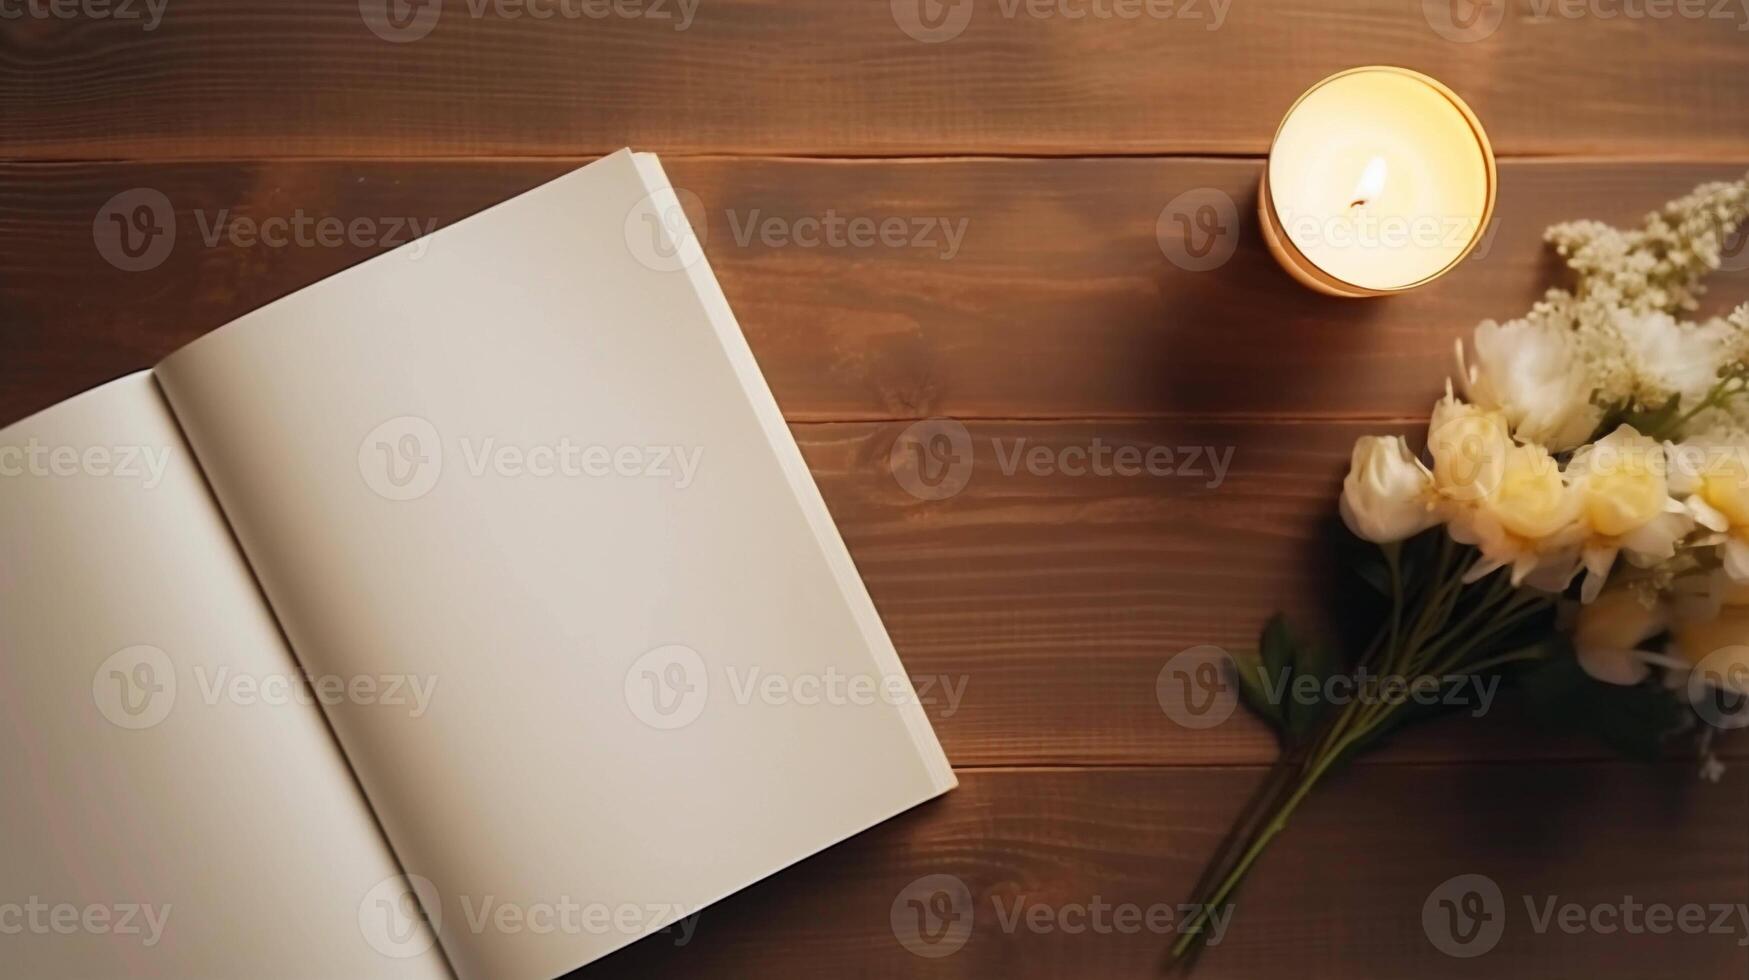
pixel 1341 896
pixel 1055 600
pixel 270 78
pixel 1040 601
pixel 1056 300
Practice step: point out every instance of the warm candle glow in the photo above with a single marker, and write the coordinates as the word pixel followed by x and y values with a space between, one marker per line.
pixel 1379 179
pixel 1371 183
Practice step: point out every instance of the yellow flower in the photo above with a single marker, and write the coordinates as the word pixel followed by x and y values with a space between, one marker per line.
pixel 1713 478
pixel 1622 484
pixel 1528 521
pixel 1625 505
pixel 1609 631
pixel 1533 500
pixel 1718 647
pixel 1468 446
pixel 1724 483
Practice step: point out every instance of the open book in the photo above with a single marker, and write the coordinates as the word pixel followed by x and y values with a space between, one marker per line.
pixel 470 613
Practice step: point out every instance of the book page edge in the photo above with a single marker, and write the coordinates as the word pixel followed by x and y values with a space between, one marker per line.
pixel 715 306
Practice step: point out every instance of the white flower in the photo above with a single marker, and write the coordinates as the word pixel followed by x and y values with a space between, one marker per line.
pixel 1672 358
pixel 1530 372
pixel 1387 495
pixel 1609 631
pixel 1625 505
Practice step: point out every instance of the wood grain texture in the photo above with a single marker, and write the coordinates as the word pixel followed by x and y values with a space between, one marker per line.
pixel 272 78
pixel 1056 298
pixel 1341 897
pixel 1052 601
pixel 1040 605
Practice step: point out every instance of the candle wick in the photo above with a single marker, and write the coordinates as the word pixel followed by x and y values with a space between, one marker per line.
pixel 1372 181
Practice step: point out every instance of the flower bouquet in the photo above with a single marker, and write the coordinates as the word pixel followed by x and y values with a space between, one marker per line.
pixel 1579 525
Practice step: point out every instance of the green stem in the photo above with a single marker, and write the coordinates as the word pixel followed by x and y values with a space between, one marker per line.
pixel 1510 615
pixel 1516 656
pixel 1442 593
pixel 1404 647
pixel 1277 823
pixel 1718 396
pixel 1393 561
pixel 1498 587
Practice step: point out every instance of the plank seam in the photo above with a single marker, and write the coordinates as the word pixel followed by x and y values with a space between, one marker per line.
pixel 1724 159
pixel 1495 762
pixel 1190 417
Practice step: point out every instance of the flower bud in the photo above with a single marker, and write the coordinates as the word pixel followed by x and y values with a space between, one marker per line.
pixel 1386 496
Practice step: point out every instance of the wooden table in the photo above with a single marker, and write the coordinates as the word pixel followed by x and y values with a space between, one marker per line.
pixel 1062 148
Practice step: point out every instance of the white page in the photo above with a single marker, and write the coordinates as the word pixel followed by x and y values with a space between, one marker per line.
pixel 157 819
pixel 544 780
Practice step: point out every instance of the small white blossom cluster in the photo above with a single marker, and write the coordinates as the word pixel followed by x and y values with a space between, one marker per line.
pixel 1599 439
pixel 1614 343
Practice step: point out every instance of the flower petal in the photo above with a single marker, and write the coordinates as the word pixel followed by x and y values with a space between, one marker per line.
pixel 1612 666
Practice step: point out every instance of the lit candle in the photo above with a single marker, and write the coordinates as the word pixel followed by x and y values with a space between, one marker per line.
pixel 1379 179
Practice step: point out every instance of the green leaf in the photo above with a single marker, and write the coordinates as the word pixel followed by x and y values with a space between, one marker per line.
pixel 1367 561
pixel 1375 573
pixel 1277 649
pixel 1252 691
pixel 1654 422
pixel 1290 679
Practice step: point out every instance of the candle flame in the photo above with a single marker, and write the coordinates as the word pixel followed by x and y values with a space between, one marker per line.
pixel 1371 183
